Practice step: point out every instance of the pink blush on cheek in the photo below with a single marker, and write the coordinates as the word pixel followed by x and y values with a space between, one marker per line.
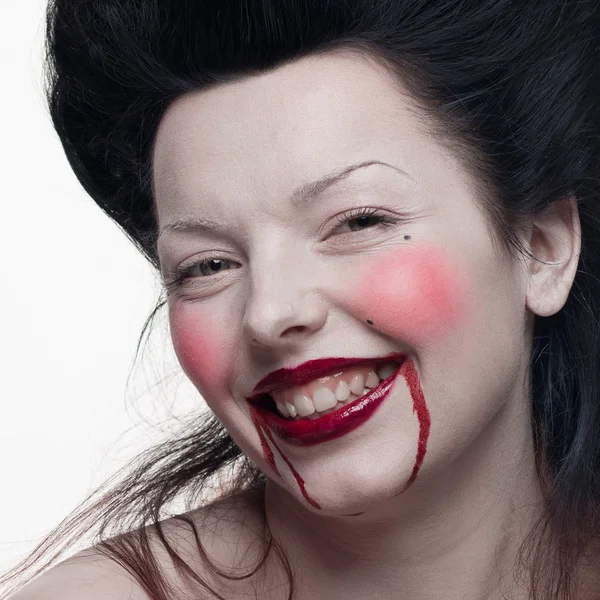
pixel 414 293
pixel 199 348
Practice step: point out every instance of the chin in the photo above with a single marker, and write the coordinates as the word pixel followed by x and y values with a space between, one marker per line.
pixel 356 493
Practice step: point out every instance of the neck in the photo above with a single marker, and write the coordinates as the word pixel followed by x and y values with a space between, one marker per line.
pixel 453 535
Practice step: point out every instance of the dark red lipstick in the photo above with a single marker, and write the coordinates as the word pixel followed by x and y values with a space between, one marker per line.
pixel 312 369
pixel 307 432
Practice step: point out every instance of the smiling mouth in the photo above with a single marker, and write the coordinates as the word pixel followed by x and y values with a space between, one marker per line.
pixel 330 396
pixel 327 425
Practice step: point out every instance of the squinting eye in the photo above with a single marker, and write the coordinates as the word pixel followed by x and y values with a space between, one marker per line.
pixel 206 265
pixel 364 220
pixel 185 272
pixel 364 216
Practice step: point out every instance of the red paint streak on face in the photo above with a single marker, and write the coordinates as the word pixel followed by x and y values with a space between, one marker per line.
pixel 260 425
pixel 196 341
pixel 408 371
pixel 415 294
pixel 261 428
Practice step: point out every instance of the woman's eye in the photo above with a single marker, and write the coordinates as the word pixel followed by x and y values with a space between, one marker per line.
pixel 207 267
pixel 364 222
pixel 363 219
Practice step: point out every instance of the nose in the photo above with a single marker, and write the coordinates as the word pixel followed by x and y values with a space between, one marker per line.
pixel 284 305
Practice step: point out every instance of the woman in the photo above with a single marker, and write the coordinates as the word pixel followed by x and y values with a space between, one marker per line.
pixel 378 227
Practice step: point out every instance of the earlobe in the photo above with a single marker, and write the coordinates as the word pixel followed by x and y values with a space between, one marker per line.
pixel 555 246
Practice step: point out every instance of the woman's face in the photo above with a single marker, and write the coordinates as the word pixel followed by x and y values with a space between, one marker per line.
pixel 303 277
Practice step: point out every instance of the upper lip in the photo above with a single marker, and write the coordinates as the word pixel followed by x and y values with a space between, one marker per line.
pixel 307 371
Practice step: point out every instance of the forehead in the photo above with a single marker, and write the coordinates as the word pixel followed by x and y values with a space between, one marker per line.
pixel 262 136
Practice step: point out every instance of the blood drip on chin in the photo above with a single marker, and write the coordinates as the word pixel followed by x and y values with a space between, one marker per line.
pixel 408 371
pixel 261 429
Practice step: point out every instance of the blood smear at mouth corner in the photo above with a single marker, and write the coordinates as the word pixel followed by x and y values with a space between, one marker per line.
pixel 262 429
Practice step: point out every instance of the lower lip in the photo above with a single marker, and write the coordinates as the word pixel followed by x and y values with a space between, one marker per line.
pixel 308 432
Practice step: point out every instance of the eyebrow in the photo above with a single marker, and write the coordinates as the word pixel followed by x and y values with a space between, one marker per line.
pixel 300 198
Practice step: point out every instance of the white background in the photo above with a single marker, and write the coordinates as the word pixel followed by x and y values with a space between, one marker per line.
pixel 74 294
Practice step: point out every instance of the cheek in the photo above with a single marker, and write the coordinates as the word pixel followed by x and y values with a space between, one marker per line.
pixel 416 294
pixel 200 349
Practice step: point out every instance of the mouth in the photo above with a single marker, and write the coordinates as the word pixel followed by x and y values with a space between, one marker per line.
pixel 329 393
pixel 335 417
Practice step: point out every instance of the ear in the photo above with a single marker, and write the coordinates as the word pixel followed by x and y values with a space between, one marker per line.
pixel 555 239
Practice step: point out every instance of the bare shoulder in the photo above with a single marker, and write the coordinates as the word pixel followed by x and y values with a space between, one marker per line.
pixel 227 535
pixel 88 574
pixel 227 531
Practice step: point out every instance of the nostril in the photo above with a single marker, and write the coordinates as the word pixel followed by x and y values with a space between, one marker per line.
pixel 295 329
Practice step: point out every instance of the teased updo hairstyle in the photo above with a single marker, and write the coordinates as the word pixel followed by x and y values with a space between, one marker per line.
pixel 513 88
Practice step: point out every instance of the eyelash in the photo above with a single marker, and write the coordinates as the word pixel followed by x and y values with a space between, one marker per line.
pixel 182 272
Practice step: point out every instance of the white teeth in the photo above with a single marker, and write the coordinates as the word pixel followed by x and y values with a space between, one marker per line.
pixel 324 398
pixel 386 370
pixel 342 391
pixel 372 380
pixel 304 405
pixel 282 409
pixel 357 384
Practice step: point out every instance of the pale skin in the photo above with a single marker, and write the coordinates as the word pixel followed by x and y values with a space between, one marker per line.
pixel 294 292
pixel 294 297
